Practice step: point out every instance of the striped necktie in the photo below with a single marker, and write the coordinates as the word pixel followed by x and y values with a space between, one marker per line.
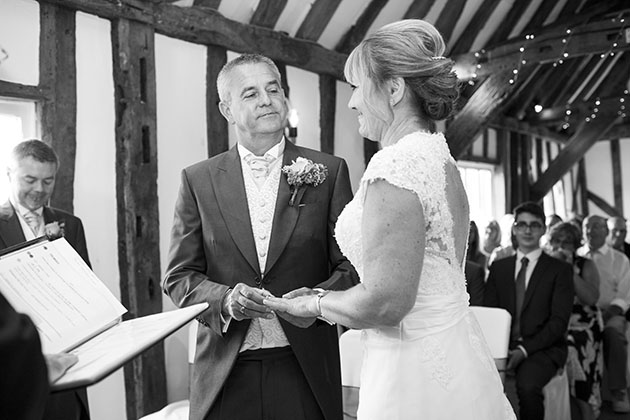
pixel 34 221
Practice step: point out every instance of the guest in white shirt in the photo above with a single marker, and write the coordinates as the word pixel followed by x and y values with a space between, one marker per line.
pixel 614 300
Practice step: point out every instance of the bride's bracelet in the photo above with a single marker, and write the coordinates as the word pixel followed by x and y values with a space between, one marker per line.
pixel 318 302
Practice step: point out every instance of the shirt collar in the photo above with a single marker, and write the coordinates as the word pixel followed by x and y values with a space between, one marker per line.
pixel 532 256
pixel 276 151
pixel 23 210
pixel 601 250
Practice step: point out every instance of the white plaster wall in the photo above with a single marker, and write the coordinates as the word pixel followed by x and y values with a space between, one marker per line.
pixel 19 38
pixel 95 181
pixel 599 177
pixel 181 141
pixel 304 97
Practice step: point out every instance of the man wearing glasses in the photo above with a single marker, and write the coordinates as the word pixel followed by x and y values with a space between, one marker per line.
pixel 537 290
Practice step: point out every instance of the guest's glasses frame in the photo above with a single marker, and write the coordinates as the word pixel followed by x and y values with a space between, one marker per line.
pixel 533 226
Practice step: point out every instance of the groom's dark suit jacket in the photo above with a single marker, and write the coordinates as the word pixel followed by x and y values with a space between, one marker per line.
pixel 212 249
pixel 63 405
pixel 547 305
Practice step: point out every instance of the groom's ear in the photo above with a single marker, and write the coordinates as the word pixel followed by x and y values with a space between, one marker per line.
pixel 225 110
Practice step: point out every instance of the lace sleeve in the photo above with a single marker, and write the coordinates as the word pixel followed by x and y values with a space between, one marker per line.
pixel 400 170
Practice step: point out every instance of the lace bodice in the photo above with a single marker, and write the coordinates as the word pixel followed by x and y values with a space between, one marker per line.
pixel 415 163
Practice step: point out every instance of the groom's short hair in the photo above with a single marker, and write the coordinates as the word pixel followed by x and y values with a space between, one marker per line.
pixel 223 79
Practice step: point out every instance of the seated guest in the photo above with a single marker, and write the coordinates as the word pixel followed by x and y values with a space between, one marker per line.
pixel 585 362
pixel 614 300
pixel 474 253
pixel 617 235
pixel 475 282
pixel 537 290
pixel 491 239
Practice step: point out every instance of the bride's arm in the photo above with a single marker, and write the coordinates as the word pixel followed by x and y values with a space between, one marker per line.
pixel 393 251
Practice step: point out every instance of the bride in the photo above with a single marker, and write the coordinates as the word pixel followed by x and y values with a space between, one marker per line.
pixel 405 232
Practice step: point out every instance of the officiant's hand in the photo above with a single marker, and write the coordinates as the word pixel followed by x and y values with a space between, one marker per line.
pixel 58 364
pixel 245 302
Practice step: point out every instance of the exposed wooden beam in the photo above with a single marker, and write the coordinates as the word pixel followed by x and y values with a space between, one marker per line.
pixel 476 24
pixel 208 27
pixel 603 204
pixel 615 159
pixel 418 9
pixel 579 110
pixel 357 32
pixel 448 18
pixel 548 47
pixel 267 13
pixel 133 53
pixel 327 109
pixel 210 4
pixel 539 17
pixel 317 19
pixel 508 22
pixel 618 131
pixel 482 107
pixel 585 136
pixel 217 125
pixel 512 124
pixel 570 83
pixel 20 91
pixel 58 76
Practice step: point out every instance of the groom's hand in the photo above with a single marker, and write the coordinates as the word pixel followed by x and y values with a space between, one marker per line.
pixel 245 302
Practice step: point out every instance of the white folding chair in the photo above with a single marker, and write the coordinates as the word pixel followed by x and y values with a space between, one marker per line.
pixel 351 355
pixel 495 324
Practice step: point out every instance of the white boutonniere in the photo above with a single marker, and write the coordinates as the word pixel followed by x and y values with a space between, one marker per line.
pixel 54 230
pixel 304 172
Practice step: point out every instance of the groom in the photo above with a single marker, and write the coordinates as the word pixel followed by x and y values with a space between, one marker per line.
pixel 239 233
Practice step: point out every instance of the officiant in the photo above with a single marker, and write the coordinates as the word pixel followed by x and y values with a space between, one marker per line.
pixel 31 171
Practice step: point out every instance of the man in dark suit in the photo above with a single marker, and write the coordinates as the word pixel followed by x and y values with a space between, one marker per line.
pixel 537 290
pixel 475 282
pixel 31 172
pixel 241 232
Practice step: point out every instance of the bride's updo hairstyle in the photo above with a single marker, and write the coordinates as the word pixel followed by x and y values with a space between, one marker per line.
pixel 411 49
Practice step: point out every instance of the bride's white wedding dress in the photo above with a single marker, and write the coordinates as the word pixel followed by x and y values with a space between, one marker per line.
pixel 435 363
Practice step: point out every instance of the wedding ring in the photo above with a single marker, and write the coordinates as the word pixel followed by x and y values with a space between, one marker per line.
pixel 243 310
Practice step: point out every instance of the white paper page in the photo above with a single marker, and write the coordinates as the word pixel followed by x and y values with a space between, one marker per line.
pixel 111 349
pixel 52 284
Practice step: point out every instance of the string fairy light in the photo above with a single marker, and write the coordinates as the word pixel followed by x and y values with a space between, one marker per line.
pixel 611 51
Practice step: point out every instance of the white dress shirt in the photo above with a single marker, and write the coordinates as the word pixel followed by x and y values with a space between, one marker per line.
pixel 614 275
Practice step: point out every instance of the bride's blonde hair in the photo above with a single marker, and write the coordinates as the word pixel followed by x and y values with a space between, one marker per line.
pixel 412 49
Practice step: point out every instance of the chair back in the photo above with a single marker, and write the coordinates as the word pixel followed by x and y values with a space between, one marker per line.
pixel 495 324
pixel 351 354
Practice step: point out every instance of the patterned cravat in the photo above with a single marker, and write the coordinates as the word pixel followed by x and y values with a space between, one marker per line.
pixel 520 296
pixel 259 164
pixel 34 221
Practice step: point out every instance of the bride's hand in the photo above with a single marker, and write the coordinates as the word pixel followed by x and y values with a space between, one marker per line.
pixel 301 311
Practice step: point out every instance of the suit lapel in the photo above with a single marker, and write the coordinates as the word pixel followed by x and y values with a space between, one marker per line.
pixel 285 216
pixel 10 228
pixel 536 278
pixel 229 187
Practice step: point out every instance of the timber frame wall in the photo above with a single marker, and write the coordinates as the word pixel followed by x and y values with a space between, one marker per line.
pixel 133 25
